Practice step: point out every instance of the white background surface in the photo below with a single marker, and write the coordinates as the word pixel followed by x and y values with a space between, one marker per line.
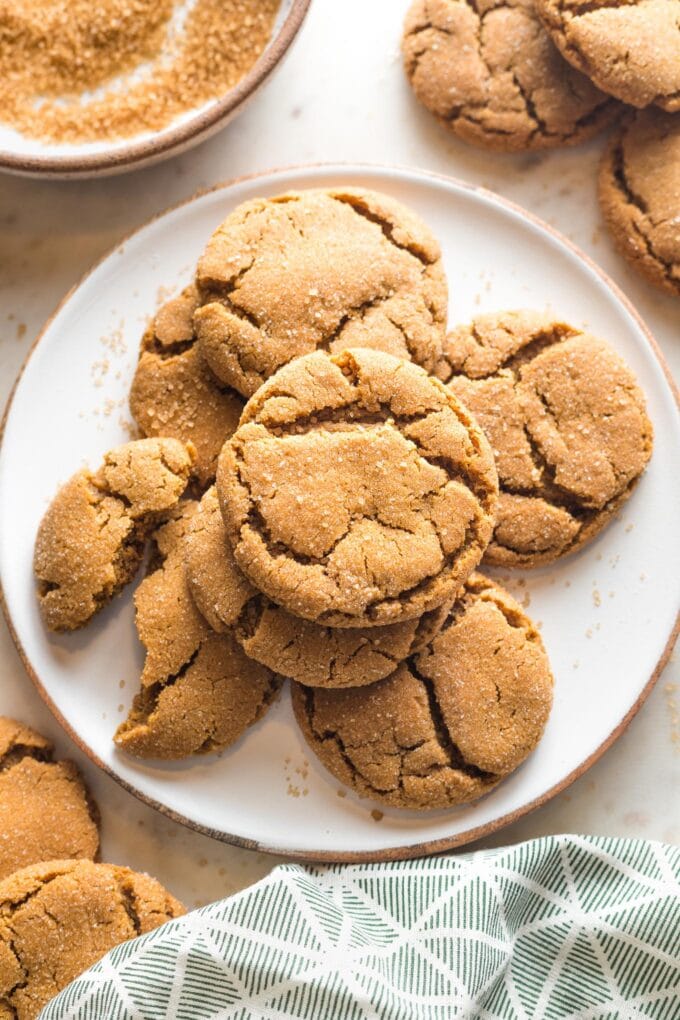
pixel 340 96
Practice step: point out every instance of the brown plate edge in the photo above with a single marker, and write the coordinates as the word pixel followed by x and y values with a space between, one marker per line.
pixel 410 850
pixel 196 129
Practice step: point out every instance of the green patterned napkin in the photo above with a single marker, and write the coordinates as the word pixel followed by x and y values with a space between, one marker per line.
pixel 565 926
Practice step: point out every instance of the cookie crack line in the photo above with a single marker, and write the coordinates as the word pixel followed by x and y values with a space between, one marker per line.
pixel 590 6
pixel 167 351
pixel 387 226
pixel 448 747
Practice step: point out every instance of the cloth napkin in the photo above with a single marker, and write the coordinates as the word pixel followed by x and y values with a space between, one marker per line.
pixel 565 926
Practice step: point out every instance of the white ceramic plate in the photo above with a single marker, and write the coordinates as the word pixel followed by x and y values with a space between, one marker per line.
pixel 607 614
pixel 35 158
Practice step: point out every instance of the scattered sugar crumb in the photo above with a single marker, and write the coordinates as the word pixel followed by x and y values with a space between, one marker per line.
pixel 597 598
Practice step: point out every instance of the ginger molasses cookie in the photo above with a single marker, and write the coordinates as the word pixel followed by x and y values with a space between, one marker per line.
pixel 199 691
pixel 490 72
pixel 91 539
pixel 327 269
pixel 357 490
pixel 640 195
pixel 567 424
pixel 57 919
pixel 452 721
pixel 45 809
pixel 305 651
pixel 628 48
pixel 174 393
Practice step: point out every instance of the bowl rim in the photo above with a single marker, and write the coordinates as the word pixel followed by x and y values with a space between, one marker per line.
pixel 164 143
pixel 425 847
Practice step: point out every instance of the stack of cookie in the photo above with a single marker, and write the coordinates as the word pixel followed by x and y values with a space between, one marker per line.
pixel 60 909
pixel 322 472
pixel 514 75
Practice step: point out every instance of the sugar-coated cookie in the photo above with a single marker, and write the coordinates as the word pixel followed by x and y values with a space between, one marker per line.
pixel 357 490
pixel 58 918
pixel 629 48
pixel 91 538
pixel 451 722
pixel 639 190
pixel 329 269
pixel 45 809
pixel 199 690
pixel 566 421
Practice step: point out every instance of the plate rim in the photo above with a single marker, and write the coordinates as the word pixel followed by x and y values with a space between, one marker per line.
pixel 163 144
pixel 411 850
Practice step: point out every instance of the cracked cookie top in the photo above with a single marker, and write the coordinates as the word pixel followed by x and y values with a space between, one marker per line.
pixel 451 722
pixel 91 538
pixel 567 424
pixel 57 919
pixel 174 393
pixel 628 48
pixel 639 190
pixel 305 651
pixel 45 809
pixel 199 691
pixel 357 490
pixel 318 269
pixel 488 71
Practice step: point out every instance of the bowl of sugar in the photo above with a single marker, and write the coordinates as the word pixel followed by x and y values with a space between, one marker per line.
pixel 89 89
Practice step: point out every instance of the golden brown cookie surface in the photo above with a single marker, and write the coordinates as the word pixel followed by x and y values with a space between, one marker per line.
pixel 357 491
pixel 567 424
pixel 488 71
pixel 450 723
pixel 305 651
pixel 45 809
pixel 199 691
pixel 639 189
pixel 629 48
pixel 324 269
pixel 91 539
pixel 174 393
pixel 59 918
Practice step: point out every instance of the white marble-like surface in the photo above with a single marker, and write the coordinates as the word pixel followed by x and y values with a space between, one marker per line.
pixel 341 96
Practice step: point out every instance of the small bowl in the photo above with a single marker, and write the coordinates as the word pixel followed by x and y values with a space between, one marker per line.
pixel 31 157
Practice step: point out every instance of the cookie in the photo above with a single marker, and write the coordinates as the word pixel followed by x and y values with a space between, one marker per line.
pixel 326 269
pixel 57 919
pixel 567 423
pixel 305 651
pixel 450 723
pixel 174 393
pixel 45 809
pixel 199 691
pixel 491 74
pixel 357 490
pixel 639 188
pixel 91 539
pixel 628 48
